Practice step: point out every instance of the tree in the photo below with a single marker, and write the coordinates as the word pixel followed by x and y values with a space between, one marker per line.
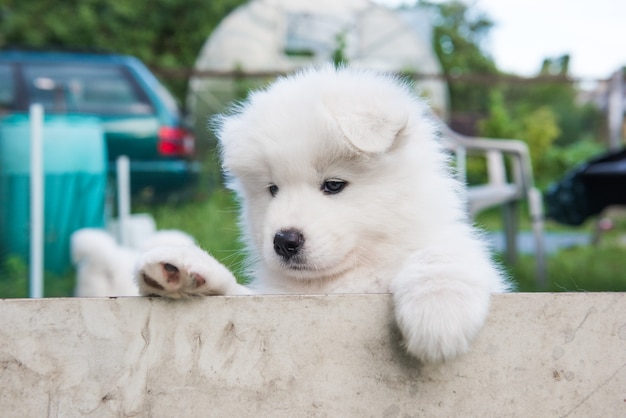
pixel 459 35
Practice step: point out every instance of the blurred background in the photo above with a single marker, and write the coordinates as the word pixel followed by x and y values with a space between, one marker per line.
pixel 151 74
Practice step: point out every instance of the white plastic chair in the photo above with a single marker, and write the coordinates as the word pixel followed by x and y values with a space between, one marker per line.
pixel 506 188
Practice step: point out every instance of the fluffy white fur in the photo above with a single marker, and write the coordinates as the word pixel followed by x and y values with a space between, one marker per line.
pixel 105 268
pixel 399 225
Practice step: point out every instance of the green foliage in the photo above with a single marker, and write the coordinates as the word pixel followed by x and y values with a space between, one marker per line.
pixel 575 121
pixel 499 124
pixel 537 123
pixel 555 66
pixel 459 32
pixel 339 53
pixel 536 126
pixel 539 129
pixel 560 159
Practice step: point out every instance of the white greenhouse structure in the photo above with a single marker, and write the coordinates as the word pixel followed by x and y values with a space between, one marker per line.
pixel 280 36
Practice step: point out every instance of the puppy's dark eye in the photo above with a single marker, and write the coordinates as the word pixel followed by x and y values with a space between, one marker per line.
pixel 273 189
pixel 333 186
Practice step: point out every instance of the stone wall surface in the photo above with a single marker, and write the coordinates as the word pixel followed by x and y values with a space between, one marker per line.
pixel 540 355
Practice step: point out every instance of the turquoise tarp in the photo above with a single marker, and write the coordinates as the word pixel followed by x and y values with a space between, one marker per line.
pixel 75 184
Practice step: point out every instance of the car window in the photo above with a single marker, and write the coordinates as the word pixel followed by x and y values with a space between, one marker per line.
pixel 7 88
pixel 167 99
pixel 102 90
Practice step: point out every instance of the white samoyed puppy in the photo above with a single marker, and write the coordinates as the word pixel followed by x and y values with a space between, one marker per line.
pixel 345 188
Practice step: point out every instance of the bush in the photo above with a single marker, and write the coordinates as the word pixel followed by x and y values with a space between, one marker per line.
pixel 539 128
pixel 558 160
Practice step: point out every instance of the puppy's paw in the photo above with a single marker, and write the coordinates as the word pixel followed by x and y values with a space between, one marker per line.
pixel 439 310
pixel 181 271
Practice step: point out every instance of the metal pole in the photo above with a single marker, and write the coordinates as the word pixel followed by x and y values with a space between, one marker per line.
pixel 36 201
pixel 123 198
pixel 535 203
pixel 616 110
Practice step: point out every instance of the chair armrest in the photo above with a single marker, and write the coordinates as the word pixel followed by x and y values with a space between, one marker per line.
pixel 515 149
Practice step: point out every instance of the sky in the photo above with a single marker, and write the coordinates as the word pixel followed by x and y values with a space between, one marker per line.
pixel 527 31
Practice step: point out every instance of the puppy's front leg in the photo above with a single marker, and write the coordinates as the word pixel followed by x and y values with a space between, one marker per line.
pixel 182 271
pixel 442 299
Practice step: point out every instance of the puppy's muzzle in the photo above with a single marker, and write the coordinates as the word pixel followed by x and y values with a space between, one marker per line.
pixel 288 243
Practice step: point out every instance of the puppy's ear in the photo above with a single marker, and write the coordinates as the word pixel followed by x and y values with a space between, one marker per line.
pixel 371 127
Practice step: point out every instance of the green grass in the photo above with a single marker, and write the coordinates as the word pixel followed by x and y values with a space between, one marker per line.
pixel 212 221
pixel 583 268
pixel 14 280
pixel 577 269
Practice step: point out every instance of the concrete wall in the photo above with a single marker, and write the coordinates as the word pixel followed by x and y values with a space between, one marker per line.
pixel 540 355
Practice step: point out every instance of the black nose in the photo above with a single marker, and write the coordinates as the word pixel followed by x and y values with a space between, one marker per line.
pixel 288 243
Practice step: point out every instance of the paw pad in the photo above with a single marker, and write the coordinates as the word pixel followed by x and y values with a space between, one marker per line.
pixel 171 272
pixel 151 282
pixel 198 280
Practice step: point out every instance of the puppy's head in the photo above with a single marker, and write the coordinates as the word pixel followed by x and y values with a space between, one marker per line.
pixel 315 159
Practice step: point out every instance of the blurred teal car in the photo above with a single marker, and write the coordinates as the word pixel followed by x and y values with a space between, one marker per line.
pixel 140 117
